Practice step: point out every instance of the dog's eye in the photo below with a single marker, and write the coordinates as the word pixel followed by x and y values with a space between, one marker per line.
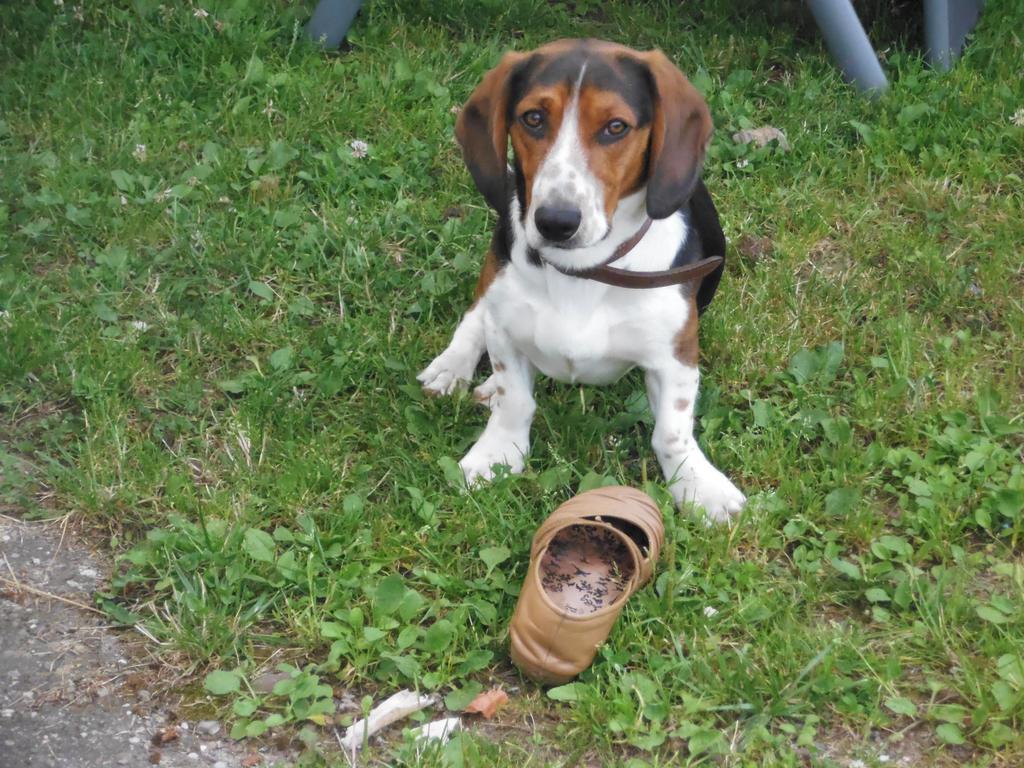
pixel 615 128
pixel 533 119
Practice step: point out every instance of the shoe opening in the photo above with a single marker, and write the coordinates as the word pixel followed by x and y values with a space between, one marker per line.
pixel 586 568
pixel 634 532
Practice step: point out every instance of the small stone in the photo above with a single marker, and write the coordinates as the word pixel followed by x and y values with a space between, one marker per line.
pixel 220 764
pixel 6 713
pixel 193 755
pixel 208 727
pixel 125 759
pixel 265 683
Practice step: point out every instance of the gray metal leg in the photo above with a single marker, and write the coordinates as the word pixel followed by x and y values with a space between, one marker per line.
pixel 331 21
pixel 946 25
pixel 849 44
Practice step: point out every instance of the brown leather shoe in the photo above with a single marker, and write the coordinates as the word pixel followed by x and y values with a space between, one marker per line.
pixel 587 558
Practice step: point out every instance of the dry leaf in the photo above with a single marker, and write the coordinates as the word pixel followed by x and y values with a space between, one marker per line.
pixel 488 702
pixel 251 761
pixel 762 136
pixel 164 736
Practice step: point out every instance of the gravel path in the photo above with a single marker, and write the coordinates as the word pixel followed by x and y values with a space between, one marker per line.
pixel 72 691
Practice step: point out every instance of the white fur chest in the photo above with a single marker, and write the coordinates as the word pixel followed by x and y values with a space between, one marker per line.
pixel 579 330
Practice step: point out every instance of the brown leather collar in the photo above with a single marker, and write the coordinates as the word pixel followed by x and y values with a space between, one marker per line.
pixel 624 278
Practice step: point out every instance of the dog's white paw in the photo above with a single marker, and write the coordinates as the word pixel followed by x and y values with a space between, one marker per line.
pixel 483 393
pixel 450 371
pixel 478 465
pixel 712 491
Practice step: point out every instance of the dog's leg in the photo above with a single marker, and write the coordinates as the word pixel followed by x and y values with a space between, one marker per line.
pixel 453 368
pixel 672 392
pixel 506 439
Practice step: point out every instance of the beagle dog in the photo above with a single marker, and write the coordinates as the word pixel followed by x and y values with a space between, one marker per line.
pixel 607 149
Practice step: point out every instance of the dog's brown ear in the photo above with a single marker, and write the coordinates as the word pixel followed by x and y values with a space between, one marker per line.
pixel 680 132
pixel 482 131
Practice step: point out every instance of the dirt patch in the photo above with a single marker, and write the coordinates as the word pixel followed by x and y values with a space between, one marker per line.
pixel 914 746
pixel 73 692
pixel 754 249
pixel 830 259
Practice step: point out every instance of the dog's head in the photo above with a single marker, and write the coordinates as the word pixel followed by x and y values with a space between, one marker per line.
pixel 591 123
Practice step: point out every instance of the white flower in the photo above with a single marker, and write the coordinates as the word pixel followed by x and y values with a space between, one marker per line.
pixel 124 200
pixel 269 109
pixel 59 3
pixel 140 325
pixel 79 14
pixel 1018 118
pixel 710 612
pixel 140 153
pixel 742 162
pixel 200 13
pixel 359 148
pixel 5 315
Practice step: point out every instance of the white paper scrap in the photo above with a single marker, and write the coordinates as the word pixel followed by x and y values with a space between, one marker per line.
pixel 389 711
pixel 439 729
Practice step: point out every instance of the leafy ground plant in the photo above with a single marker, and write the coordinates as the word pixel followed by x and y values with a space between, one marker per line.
pixel 224 255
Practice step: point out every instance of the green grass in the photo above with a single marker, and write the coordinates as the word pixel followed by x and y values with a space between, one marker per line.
pixel 209 350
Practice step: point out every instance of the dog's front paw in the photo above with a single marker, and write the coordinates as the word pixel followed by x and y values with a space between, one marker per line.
pixel 714 492
pixel 450 371
pixel 478 465
pixel 486 391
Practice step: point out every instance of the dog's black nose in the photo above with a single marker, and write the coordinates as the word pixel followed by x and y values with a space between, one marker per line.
pixel 557 224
